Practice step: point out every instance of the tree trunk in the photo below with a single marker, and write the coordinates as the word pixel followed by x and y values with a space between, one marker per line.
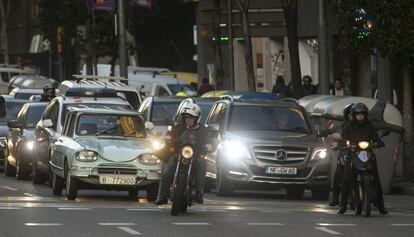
pixel 290 13
pixel 408 158
pixel 251 79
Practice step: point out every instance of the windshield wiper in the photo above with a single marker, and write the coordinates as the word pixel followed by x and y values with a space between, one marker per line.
pixel 106 130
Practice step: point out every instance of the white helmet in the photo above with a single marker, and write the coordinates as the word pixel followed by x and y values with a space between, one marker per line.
pixel 192 109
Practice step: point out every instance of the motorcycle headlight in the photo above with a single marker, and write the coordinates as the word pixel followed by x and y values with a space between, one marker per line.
pixel 29 145
pixel 187 152
pixel 236 150
pixel 86 156
pixel 320 154
pixel 148 159
pixel 363 145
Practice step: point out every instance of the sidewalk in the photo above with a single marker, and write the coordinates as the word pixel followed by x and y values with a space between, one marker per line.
pixel 403 187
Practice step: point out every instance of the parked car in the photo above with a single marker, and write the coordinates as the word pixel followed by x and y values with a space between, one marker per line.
pixel 265 144
pixel 55 113
pixel 11 107
pixel 25 94
pixel 104 148
pixel 31 82
pixel 157 109
pixel 20 140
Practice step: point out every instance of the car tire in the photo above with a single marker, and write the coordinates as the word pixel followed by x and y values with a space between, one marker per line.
pixel 58 183
pixel 37 176
pixel 21 173
pixel 223 186
pixel 295 191
pixel 320 193
pixel 152 192
pixel 9 171
pixel 71 185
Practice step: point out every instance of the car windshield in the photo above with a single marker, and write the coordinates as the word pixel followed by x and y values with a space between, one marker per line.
pixel 175 88
pixel 33 116
pixel 205 109
pixel 268 118
pixel 132 98
pixel 12 109
pixel 97 106
pixel 110 125
pixel 163 110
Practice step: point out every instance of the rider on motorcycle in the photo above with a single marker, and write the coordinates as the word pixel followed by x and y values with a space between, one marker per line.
pixel 340 164
pixel 48 93
pixel 190 116
pixel 360 129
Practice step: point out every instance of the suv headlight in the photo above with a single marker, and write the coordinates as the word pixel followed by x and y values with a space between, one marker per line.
pixel 86 156
pixel 148 159
pixel 236 150
pixel 320 154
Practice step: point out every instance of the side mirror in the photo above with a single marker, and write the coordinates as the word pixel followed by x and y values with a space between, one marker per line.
pixel 2 107
pixel 322 133
pixel 336 136
pixel 149 125
pixel 14 124
pixel 384 133
pixel 47 123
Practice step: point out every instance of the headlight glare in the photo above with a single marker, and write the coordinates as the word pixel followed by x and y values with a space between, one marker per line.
pixel 363 145
pixel 29 145
pixel 236 150
pixel 157 144
pixel 148 159
pixel 187 152
pixel 320 154
pixel 86 156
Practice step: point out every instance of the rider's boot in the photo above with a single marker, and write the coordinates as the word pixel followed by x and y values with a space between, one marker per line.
pixel 342 209
pixel 199 197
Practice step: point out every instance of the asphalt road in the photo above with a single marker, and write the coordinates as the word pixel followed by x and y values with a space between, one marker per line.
pixel 27 210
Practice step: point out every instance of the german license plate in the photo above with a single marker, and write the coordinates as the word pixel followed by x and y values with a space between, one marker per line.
pixel 119 180
pixel 281 170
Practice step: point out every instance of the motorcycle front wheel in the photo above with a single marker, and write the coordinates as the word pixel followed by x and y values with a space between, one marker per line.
pixel 179 202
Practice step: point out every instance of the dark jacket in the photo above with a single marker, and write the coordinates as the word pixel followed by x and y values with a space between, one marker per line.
pixel 355 132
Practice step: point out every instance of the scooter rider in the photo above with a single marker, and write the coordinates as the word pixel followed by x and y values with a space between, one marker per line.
pixel 48 93
pixel 340 161
pixel 360 129
pixel 190 115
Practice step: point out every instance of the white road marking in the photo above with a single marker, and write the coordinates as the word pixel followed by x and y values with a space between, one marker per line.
pixel 9 188
pixel 329 231
pixel 143 209
pixel 402 224
pixel 30 195
pixel 129 230
pixel 116 224
pixel 335 224
pixel 265 224
pixel 74 209
pixel 10 208
pixel 42 224
pixel 208 210
pixel 190 223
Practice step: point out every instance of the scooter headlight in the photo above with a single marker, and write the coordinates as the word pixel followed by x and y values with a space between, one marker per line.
pixel 187 152
pixel 363 145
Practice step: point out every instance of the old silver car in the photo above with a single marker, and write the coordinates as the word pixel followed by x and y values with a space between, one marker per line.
pixel 104 148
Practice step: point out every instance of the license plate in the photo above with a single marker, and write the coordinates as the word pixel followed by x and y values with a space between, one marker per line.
pixel 119 180
pixel 281 170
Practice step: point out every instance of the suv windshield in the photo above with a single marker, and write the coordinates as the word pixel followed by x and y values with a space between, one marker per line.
pixel 163 110
pixel 110 125
pixel 12 109
pixel 268 118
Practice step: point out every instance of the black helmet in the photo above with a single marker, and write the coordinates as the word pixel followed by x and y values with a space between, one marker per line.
pixel 359 108
pixel 347 111
pixel 48 87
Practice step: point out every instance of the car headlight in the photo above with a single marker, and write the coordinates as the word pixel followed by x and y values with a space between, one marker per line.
pixel 187 152
pixel 86 156
pixel 157 144
pixel 148 159
pixel 320 154
pixel 363 145
pixel 236 150
pixel 29 145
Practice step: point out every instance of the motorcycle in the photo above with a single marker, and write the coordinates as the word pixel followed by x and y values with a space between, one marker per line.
pixel 364 186
pixel 181 194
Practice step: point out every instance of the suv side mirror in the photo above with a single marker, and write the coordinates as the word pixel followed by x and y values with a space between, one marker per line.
pixel 47 123
pixel 2 107
pixel 14 124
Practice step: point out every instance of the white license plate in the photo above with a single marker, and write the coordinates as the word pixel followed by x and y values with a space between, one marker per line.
pixel 281 170
pixel 119 180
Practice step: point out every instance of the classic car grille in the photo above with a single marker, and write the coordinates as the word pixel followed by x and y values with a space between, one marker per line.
pixel 268 154
pixel 121 169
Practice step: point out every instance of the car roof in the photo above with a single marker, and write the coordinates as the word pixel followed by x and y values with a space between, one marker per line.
pixel 26 90
pixel 96 109
pixel 167 98
pixel 91 100
pixel 281 103
pixel 12 99
pixel 37 104
pixel 98 84
pixel 203 100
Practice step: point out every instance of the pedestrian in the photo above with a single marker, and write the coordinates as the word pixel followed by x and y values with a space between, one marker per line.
pixel 308 88
pixel 205 87
pixel 280 87
pixel 338 88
